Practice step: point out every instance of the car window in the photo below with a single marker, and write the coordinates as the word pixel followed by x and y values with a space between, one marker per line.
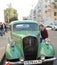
pixel 29 26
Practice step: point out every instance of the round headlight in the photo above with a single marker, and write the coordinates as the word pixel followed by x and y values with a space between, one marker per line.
pixel 42 54
pixel 22 59
pixel 42 57
pixel 12 42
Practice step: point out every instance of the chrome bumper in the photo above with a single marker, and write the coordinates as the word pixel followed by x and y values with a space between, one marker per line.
pixel 51 59
pixel 31 61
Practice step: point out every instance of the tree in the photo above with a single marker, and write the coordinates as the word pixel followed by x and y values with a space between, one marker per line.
pixel 10 14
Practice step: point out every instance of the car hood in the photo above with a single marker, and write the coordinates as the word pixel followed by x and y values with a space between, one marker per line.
pixel 23 34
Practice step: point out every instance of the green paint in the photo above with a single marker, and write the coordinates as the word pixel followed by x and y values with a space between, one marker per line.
pixel 17 51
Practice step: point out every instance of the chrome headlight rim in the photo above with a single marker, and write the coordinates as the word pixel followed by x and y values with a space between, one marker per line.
pixel 42 57
pixel 21 59
pixel 12 42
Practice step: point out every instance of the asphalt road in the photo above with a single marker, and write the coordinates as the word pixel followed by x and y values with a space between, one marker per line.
pixel 52 36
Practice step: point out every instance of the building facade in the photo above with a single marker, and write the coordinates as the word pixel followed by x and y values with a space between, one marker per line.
pixel 52 12
pixel 45 10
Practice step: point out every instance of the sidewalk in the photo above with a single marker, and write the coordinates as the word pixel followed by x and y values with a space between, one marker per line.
pixel 2 52
pixel 3 43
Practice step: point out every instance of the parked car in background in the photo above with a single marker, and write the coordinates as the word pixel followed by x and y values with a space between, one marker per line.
pixel 49 23
pixel 55 26
pixel 49 26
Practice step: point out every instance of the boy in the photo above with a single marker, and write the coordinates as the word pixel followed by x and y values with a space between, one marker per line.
pixel 44 33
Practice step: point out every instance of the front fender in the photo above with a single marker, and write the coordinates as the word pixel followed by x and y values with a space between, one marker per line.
pixel 13 52
pixel 46 49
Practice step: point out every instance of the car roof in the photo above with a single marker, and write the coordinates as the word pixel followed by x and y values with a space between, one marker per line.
pixel 23 21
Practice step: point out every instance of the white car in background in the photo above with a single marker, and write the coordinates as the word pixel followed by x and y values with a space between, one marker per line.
pixel 52 26
pixel 49 26
pixel 55 26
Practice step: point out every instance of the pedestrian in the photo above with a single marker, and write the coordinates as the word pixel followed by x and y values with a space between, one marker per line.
pixel 1 29
pixel 5 26
pixel 44 32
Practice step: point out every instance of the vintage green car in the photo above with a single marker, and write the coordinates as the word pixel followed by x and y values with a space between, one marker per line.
pixel 24 45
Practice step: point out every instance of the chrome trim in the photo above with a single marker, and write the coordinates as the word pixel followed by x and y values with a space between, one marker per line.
pixel 46 60
pixel 25 62
pixel 51 59
pixel 19 62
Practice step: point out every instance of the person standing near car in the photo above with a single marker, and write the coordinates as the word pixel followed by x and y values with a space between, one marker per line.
pixel 44 32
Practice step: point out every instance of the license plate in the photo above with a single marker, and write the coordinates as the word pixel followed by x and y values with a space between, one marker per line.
pixel 33 62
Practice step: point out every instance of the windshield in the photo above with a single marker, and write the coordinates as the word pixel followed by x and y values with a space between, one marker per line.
pixel 28 26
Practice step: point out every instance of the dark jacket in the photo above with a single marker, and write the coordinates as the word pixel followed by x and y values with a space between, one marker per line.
pixel 44 33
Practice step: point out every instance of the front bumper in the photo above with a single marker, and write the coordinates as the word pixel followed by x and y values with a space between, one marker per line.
pixel 32 61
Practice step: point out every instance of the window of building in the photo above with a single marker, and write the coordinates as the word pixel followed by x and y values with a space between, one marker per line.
pixel 45 11
pixel 34 12
pixel 55 13
pixel 55 6
pixel 55 18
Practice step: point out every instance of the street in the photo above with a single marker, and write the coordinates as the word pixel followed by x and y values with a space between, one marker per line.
pixel 52 36
pixel 3 43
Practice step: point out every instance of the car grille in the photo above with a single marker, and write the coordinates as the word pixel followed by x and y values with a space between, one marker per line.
pixel 30 47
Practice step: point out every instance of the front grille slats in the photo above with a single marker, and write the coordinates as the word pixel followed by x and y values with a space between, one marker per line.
pixel 30 46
